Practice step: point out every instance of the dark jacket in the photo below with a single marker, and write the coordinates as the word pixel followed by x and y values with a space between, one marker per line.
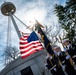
pixel 57 70
pixel 69 68
pixel 72 52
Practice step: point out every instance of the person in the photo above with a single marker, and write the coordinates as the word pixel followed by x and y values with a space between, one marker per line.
pixel 61 56
pixel 52 65
pixel 70 48
pixel 64 59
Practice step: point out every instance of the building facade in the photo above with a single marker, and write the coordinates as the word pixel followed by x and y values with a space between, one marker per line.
pixel 32 65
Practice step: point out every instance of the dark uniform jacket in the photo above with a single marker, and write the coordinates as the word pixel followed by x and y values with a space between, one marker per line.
pixel 72 52
pixel 54 66
pixel 68 67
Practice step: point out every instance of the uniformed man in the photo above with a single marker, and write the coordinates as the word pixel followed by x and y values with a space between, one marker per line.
pixel 61 56
pixel 64 59
pixel 70 48
pixel 52 64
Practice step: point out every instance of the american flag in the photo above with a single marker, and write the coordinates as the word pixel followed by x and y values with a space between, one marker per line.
pixel 29 44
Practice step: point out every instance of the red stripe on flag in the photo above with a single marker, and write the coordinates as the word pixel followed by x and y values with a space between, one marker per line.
pixel 28 54
pixel 30 44
pixel 27 49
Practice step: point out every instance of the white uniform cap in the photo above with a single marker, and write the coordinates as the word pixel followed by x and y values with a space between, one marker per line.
pixel 65 40
pixel 56 47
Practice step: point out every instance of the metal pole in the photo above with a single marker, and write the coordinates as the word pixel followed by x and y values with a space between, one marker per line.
pixel 15 25
pixel 21 21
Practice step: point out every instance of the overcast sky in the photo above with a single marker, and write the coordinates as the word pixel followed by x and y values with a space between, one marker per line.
pixel 27 10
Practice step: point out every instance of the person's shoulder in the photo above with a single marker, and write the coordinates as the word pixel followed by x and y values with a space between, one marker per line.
pixel 73 45
pixel 63 51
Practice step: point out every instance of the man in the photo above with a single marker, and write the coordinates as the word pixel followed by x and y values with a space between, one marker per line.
pixel 61 56
pixel 64 59
pixel 70 48
pixel 53 65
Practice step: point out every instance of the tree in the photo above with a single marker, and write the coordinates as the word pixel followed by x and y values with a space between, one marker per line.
pixel 67 18
pixel 10 54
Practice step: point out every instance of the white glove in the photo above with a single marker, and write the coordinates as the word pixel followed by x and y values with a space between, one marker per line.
pixel 47 56
pixel 50 57
pixel 75 67
pixel 74 56
pixel 68 56
pixel 63 66
pixel 55 69
pixel 45 65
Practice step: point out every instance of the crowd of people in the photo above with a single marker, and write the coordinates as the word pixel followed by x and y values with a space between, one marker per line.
pixel 66 59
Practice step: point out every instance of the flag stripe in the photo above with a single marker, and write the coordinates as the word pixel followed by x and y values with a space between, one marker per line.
pixel 28 48
pixel 26 43
pixel 29 52
pixel 26 55
pixel 37 49
pixel 30 44
pixel 31 48
pixel 22 46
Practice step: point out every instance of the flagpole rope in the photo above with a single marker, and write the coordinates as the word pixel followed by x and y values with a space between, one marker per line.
pixel 22 22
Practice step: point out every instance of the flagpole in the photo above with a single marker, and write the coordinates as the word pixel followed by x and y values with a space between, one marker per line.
pixel 15 25
pixel 23 23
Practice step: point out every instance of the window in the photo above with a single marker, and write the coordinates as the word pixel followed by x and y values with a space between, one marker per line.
pixel 27 71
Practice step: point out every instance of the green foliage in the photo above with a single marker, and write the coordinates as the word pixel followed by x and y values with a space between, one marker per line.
pixel 67 18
